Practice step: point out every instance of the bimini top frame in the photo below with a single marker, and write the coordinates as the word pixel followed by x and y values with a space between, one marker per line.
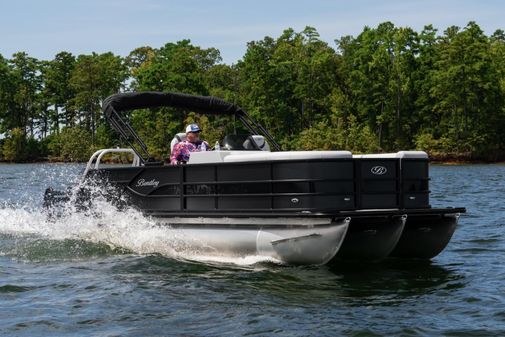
pixel 113 107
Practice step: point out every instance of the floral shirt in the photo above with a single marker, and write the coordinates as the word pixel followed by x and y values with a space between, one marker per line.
pixel 182 150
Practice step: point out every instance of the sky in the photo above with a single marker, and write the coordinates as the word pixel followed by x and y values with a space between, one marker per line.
pixel 42 28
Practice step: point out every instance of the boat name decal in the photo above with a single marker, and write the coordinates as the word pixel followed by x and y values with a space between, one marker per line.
pixel 379 170
pixel 143 182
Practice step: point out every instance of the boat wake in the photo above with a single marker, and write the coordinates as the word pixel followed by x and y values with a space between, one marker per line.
pixel 29 233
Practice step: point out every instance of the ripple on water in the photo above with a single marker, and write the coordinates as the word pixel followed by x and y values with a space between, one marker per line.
pixel 10 288
pixel 75 277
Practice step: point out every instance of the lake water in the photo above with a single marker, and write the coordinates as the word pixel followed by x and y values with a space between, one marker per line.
pixel 115 274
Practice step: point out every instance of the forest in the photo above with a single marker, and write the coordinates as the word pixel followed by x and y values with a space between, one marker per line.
pixel 387 89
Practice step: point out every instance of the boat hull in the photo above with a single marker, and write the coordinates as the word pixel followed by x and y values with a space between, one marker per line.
pixel 425 236
pixel 288 240
pixel 371 238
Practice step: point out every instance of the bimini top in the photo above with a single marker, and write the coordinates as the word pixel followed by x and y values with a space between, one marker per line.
pixel 114 106
pixel 153 99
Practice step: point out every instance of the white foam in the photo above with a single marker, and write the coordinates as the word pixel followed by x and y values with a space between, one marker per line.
pixel 105 224
pixel 247 260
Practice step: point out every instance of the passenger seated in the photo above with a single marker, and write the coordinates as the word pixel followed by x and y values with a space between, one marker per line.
pixel 182 150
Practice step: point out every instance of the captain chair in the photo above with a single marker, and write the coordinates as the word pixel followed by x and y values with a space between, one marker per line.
pixel 260 143
pixel 180 137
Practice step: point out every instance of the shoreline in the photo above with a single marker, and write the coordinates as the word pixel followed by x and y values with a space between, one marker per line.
pixel 465 162
pixel 436 160
pixel 448 159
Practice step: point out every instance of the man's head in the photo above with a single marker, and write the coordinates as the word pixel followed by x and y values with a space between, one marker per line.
pixel 192 132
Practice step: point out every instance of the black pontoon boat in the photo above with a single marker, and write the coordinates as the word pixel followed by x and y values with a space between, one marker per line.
pixel 300 207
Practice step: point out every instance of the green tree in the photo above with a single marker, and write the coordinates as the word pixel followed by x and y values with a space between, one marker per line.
pixel 388 88
pixel 7 90
pixel 222 81
pixel 466 93
pixel 425 118
pixel 26 82
pixel 378 67
pixel 137 59
pixel 14 147
pixel 58 91
pixel 286 83
pixel 72 144
pixel 175 67
pixel 94 78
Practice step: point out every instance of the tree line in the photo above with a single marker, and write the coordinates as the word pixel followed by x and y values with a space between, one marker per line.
pixel 386 89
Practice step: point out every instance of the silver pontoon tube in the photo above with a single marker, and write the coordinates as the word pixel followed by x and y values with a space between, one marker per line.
pixel 289 240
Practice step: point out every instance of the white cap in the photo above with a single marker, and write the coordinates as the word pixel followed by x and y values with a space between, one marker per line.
pixel 193 128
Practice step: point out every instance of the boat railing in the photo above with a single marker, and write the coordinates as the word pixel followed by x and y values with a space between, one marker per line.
pixel 96 158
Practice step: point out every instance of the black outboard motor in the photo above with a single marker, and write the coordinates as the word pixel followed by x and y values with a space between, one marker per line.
pixel 55 202
pixel 53 198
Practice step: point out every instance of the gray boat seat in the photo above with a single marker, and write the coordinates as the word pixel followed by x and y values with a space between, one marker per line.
pixel 260 142
pixel 180 137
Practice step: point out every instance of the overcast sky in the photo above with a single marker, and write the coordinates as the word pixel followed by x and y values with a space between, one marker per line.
pixel 43 28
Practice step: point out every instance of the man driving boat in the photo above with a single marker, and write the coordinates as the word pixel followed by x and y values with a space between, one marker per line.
pixel 192 143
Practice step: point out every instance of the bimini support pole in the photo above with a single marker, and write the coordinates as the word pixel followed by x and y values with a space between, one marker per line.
pixel 128 134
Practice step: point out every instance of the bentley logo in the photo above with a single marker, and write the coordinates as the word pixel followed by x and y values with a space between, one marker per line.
pixel 379 170
pixel 143 182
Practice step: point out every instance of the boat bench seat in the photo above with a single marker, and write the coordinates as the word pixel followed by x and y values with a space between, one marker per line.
pixel 225 156
pixel 400 154
pixel 254 156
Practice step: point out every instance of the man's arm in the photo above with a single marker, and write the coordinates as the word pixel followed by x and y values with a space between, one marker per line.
pixel 175 154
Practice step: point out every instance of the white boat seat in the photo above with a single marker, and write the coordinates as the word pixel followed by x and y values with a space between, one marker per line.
pixel 258 156
pixel 400 154
pixel 289 155
pixel 180 137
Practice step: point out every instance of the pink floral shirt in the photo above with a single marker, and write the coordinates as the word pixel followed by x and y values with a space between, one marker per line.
pixel 182 150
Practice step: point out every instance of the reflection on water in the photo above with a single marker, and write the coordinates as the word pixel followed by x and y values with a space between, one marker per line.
pixel 395 277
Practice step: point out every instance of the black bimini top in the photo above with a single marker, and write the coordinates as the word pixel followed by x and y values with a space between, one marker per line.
pixel 153 99
pixel 115 104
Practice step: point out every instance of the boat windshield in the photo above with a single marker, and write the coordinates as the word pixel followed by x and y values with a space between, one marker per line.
pixel 240 143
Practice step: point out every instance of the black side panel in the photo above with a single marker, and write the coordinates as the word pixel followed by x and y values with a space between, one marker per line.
pixel 313 169
pixel 199 173
pixel 330 183
pixel 319 202
pixel 317 185
pixel 244 203
pixel 153 204
pixel 243 172
pixel 196 203
pixel 415 181
pixel 265 186
pixel 378 180
pixel 153 179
